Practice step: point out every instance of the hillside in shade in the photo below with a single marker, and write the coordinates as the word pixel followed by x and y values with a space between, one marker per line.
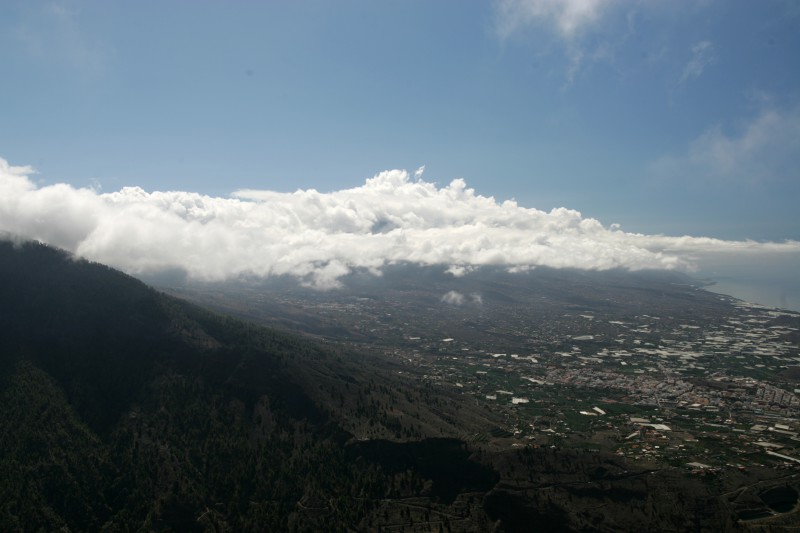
pixel 124 409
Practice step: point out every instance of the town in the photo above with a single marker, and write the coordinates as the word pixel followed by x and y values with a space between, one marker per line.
pixel 705 397
pixel 699 380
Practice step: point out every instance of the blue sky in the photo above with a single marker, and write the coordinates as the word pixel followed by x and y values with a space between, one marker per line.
pixel 597 110
pixel 668 118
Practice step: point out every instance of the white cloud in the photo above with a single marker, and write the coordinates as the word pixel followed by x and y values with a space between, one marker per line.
pixel 569 18
pixel 765 148
pixel 458 271
pixel 702 56
pixel 320 237
pixel 454 298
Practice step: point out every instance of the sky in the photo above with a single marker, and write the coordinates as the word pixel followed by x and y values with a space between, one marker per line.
pixel 313 137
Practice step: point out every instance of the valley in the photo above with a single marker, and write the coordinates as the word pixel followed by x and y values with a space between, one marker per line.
pixel 576 401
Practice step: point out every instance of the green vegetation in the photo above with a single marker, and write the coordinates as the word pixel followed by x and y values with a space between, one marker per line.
pixel 125 409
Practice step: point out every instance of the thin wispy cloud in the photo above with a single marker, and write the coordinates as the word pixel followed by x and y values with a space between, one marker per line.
pixel 765 148
pixel 569 20
pixel 320 237
pixel 54 35
pixel 703 55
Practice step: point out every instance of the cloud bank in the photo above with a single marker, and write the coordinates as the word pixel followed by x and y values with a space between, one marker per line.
pixel 320 237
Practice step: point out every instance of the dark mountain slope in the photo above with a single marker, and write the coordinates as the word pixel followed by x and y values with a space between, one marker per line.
pixel 52 468
pixel 125 409
pixel 103 335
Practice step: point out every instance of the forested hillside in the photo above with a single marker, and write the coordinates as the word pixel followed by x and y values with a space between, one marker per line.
pixel 126 409
pixel 123 409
